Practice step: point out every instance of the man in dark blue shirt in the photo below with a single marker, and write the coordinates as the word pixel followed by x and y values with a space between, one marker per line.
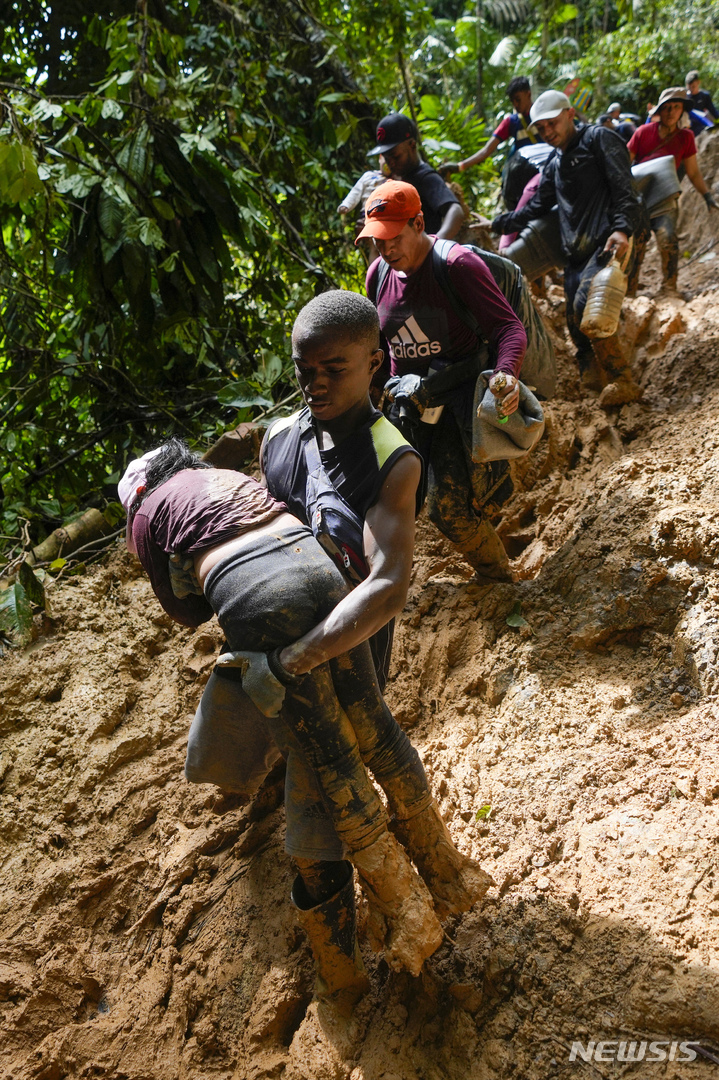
pixel 397 147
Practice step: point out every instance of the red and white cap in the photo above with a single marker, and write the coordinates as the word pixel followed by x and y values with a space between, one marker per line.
pixel 132 482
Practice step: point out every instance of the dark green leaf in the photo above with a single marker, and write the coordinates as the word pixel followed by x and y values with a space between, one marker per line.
pixel 16 614
pixel 32 586
pixel 239 397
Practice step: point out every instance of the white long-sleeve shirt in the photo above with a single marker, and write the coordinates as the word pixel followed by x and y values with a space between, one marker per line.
pixel 360 193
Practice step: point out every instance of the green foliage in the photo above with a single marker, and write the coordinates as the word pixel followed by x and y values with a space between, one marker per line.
pixel 451 132
pixel 652 49
pixel 15 614
pixel 515 617
pixel 169 177
pixel 164 192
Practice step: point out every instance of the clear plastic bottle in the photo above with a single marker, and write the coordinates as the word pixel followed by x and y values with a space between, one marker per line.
pixel 604 302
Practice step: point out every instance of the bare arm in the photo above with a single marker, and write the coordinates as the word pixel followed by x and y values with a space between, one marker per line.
pixel 692 169
pixel 481 155
pixel 389 544
pixel 451 222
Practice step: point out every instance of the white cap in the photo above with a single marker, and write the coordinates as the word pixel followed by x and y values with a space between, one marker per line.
pixel 613 106
pixel 548 105
pixel 132 479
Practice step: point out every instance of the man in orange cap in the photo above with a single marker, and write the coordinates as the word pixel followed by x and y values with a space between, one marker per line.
pixel 424 333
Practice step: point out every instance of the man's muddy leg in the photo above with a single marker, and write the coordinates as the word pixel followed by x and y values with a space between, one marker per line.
pixel 455 881
pixel 451 504
pixel 665 233
pixel 323 896
pixel 402 921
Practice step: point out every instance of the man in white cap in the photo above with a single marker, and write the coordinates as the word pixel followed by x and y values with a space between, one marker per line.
pixel 589 180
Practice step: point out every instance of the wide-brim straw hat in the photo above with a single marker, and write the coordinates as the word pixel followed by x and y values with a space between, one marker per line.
pixel 672 93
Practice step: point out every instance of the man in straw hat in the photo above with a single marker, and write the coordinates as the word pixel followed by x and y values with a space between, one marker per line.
pixel 670 137
pixel 588 179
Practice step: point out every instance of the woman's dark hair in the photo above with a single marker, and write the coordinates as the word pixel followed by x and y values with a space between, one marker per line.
pixel 174 456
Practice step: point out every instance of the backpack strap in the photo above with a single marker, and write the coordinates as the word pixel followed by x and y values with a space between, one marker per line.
pixel 507 277
pixel 382 272
pixel 440 254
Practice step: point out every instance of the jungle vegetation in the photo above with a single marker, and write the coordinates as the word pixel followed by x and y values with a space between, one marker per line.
pixel 169 177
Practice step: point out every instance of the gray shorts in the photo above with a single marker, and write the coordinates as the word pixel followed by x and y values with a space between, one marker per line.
pixel 231 744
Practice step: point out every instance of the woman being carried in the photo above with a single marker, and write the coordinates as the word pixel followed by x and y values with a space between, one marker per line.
pixel 269 581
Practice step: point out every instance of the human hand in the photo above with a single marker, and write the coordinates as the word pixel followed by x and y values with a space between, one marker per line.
pixel 448 167
pixel 406 390
pixel 343 209
pixel 501 224
pixel 710 201
pixel 183 578
pixel 617 244
pixel 506 389
pixel 258 682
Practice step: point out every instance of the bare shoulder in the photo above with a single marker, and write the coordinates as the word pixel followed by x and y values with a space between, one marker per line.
pixel 399 488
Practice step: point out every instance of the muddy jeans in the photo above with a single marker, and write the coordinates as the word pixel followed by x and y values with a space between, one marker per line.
pixel 457 487
pixel 333 720
pixel 664 228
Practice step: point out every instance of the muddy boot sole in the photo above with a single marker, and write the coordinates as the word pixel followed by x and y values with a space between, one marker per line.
pixel 402 922
pixel 455 881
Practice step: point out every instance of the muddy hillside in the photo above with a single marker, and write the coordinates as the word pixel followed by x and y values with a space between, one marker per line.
pixel 146 927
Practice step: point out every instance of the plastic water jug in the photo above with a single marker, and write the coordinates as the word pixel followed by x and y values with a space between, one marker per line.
pixel 604 302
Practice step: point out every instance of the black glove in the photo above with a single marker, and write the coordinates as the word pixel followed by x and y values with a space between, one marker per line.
pixel 503 224
pixel 258 681
pixel 406 390
pixel 709 200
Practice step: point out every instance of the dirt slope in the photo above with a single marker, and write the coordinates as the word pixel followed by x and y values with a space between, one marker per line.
pixel 146 929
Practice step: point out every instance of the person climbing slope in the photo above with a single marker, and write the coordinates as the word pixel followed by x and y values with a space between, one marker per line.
pixel 268 579
pixel 588 179
pixel 670 137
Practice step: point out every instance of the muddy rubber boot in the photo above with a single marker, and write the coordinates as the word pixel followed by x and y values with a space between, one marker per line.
pixel 455 881
pixel 331 929
pixel 621 388
pixel 402 922
pixel 669 256
pixel 486 554
pixel 592 375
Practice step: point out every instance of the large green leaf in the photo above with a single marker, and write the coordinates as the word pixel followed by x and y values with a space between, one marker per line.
pixel 240 396
pixel 16 614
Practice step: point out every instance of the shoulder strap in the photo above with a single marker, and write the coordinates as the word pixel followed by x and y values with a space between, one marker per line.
pixel 382 272
pixel 507 277
pixel 440 254
pixel 527 128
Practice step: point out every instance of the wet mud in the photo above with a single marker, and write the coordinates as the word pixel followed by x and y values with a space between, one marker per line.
pixel 568 724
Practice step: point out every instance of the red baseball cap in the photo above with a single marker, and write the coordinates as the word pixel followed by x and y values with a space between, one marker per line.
pixel 389 208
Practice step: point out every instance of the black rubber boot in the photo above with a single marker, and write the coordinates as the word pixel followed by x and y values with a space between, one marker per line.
pixel 331 930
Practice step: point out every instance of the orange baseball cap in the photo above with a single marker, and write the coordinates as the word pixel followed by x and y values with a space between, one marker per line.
pixel 389 208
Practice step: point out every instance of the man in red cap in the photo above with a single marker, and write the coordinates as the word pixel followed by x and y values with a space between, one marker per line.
pixel 397 147
pixel 422 333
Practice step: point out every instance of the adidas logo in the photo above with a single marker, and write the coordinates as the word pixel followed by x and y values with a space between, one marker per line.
pixel 411 341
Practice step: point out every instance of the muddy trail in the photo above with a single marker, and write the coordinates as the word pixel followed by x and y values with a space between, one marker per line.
pixel 146 927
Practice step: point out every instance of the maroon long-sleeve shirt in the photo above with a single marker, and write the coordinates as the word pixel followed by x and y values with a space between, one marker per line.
pixel 191 512
pixel 420 325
